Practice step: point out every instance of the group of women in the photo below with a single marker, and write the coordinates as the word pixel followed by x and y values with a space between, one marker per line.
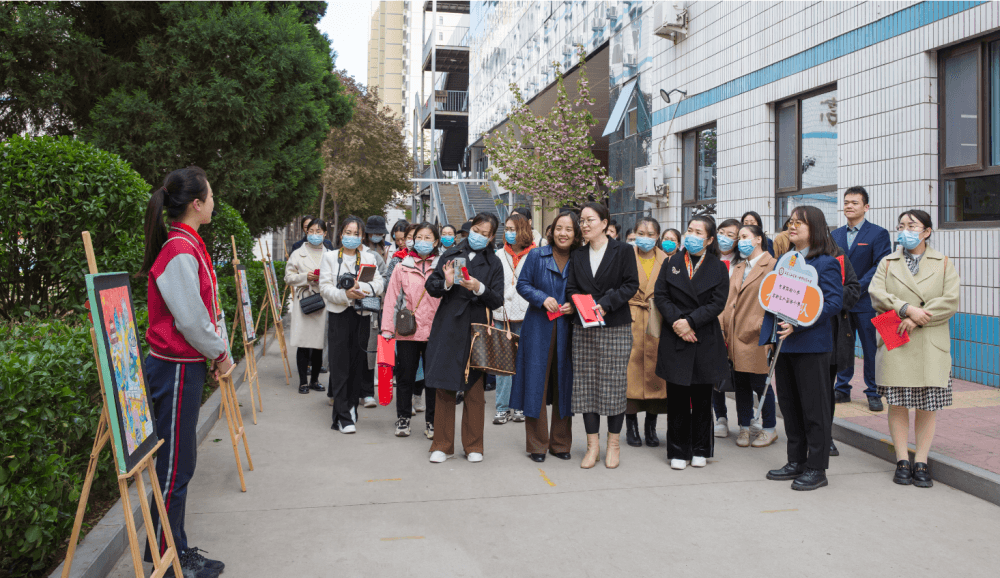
pixel 679 313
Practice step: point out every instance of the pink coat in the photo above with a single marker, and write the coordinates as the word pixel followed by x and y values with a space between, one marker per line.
pixel 409 276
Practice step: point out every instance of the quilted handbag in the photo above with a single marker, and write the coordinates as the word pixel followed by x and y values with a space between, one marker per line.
pixel 493 350
pixel 311 303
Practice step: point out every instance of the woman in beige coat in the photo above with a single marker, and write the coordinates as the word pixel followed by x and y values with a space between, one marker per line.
pixel 921 286
pixel 308 331
pixel 646 392
pixel 741 321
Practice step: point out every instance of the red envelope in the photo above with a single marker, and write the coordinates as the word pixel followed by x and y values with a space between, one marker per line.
pixel 384 385
pixel 887 324
pixel 554 316
pixel 386 352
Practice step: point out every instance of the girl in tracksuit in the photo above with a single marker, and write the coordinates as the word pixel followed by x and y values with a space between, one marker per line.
pixel 186 329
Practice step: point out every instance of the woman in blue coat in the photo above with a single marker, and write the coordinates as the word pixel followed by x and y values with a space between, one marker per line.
pixel 544 368
pixel 802 369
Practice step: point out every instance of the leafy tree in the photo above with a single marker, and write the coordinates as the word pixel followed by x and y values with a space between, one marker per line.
pixel 244 90
pixel 366 162
pixel 51 190
pixel 549 156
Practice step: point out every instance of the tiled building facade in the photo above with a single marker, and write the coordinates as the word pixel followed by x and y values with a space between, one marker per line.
pixel 790 103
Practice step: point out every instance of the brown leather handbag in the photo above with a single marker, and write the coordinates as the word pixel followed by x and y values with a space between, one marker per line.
pixel 406 320
pixel 493 350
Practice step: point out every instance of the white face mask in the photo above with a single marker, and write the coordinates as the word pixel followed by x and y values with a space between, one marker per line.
pixel 409 244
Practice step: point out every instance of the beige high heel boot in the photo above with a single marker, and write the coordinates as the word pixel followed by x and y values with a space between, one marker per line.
pixel 593 451
pixel 611 457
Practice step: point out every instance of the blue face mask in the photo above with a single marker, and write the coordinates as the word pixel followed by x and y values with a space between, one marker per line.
pixel 350 241
pixel 669 245
pixel 315 239
pixel 477 242
pixel 693 244
pixel 726 244
pixel 423 248
pixel 377 238
pixel 746 248
pixel 448 241
pixel 510 237
pixel 645 244
pixel 908 239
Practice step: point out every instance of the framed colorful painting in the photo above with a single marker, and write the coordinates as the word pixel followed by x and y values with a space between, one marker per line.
pixel 243 294
pixel 273 288
pixel 130 403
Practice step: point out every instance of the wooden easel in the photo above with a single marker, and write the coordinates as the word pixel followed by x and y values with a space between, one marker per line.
pixel 274 309
pixel 170 557
pixel 234 420
pixel 250 372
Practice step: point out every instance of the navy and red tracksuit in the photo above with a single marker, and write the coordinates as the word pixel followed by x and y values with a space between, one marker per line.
pixel 185 330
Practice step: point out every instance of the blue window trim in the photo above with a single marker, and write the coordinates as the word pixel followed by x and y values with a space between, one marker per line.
pixel 901 22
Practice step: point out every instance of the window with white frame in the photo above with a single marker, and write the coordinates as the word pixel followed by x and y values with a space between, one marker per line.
pixel 969 139
pixel 699 170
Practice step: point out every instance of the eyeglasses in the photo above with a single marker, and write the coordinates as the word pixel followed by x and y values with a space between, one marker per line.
pixel 589 222
pixel 913 227
pixel 795 224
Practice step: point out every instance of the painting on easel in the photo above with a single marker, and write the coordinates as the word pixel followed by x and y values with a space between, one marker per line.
pixel 132 426
pixel 273 288
pixel 249 331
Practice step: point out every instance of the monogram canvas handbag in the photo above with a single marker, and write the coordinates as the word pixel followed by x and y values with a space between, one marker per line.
pixel 493 350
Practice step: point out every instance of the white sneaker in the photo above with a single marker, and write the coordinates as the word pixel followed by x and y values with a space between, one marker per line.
pixel 418 404
pixel 440 457
pixel 518 416
pixel 475 457
pixel 698 462
pixel 402 427
pixel 348 429
pixel 678 464
pixel 722 428
pixel 370 402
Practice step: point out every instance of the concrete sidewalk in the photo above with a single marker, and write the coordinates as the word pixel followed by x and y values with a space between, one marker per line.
pixel 321 503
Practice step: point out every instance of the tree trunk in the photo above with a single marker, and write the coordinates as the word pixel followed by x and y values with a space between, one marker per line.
pixel 336 221
pixel 322 202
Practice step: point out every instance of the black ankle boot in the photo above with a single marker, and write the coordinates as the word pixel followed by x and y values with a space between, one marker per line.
pixel 632 430
pixel 303 388
pixel 651 439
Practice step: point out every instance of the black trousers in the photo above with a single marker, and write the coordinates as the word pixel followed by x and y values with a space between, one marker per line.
pixel 689 421
pixel 347 334
pixel 803 383
pixel 408 356
pixel 304 357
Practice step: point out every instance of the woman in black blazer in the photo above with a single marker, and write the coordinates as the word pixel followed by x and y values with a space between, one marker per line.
pixel 691 293
pixel 605 269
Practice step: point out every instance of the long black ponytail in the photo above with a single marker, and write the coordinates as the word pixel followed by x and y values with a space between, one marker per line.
pixel 179 188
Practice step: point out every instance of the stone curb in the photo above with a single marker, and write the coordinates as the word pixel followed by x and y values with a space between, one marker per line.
pixel 99 551
pixel 970 479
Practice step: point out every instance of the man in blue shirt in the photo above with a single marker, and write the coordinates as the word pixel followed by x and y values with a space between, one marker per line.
pixel 865 244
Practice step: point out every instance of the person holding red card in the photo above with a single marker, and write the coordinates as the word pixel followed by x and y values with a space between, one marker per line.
pixel 544 368
pixel 308 330
pixel 604 270
pixel 922 287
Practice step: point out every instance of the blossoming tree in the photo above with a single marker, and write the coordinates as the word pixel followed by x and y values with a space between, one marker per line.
pixel 549 156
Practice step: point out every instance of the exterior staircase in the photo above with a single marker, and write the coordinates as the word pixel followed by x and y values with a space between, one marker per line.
pixel 451 198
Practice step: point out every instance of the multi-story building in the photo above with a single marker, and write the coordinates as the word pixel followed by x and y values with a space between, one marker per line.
pixel 386 53
pixel 517 43
pixel 773 105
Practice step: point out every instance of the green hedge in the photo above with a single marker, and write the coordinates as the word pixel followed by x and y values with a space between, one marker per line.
pixel 50 404
pixel 52 189
pixel 257 287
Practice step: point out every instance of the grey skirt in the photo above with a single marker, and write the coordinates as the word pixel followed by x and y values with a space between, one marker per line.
pixel 600 369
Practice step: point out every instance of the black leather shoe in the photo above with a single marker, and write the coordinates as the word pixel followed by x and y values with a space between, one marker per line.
pixel 632 430
pixel 537 457
pixel 875 404
pixel 922 476
pixel 810 480
pixel 904 475
pixel 841 397
pixel 323 370
pixel 562 455
pixel 651 439
pixel 790 471
pixel 834 452
pixel 315 386
pixel 303 388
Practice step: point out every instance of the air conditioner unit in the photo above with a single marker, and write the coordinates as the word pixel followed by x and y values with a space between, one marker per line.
pixel 671 20
pixel 630 60
pixel 612 13
pixel 597 24
pixel 650 183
